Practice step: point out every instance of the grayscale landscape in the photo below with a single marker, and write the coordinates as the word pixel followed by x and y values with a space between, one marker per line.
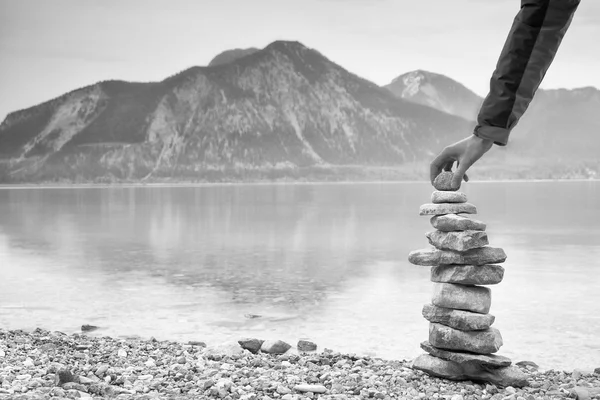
pixel 219 201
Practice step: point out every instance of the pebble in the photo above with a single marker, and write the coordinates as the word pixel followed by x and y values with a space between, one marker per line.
pixel 101 370
pixel 312 388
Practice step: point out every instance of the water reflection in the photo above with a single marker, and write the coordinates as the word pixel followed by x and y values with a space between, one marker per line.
pixel 321 261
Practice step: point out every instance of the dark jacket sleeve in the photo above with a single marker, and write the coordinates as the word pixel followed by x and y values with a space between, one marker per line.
pixel 532 43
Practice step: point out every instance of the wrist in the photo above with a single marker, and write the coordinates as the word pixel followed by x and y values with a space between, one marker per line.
pixel 483 142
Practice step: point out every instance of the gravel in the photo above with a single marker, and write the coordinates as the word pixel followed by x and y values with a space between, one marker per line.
pixel 52 365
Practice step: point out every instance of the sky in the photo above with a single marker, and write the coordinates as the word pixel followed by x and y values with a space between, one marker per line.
pixel 48 47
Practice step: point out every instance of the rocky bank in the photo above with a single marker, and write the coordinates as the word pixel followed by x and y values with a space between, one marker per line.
pixel 53 365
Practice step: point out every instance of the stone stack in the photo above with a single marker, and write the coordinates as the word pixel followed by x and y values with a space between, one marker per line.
pixel 462 342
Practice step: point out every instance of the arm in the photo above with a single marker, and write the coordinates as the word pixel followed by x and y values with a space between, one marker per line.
pixel 530 47
pixel 532 43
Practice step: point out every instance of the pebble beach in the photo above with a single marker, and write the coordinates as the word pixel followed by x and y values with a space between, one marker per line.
pixel 52 365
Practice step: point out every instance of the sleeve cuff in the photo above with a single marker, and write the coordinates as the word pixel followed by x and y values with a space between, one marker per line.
pixel 498 135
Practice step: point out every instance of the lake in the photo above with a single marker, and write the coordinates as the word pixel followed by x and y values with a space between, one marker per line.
pixel 326 262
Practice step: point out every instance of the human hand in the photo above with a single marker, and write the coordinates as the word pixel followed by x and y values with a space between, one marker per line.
pixel 465 153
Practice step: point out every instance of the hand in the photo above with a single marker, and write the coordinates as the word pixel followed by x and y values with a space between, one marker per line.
pixel 465 152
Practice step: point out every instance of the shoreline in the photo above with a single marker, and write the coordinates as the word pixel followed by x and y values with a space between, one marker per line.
pixel 43 364
pixel 262 183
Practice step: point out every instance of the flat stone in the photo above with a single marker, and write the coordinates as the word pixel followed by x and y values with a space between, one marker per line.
pixel 456 222
pixel 439 197
pixel 501 377
pixel 487 274
pixel 274 347
pixel 439 367
pixel 457 319
pixel 470 298
pixel 443 181
pixel 447 208
pixel 470 359
pixel 481 342
pixel 435 257
pixel 457 241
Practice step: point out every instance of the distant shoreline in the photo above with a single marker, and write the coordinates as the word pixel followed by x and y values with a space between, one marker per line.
pixel 260 183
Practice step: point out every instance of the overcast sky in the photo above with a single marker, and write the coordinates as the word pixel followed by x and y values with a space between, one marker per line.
pixel 50 47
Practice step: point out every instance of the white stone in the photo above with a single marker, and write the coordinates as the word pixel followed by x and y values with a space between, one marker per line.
pixel 311 388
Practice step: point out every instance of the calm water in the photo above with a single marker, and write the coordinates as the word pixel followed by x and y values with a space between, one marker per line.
pixel 324 262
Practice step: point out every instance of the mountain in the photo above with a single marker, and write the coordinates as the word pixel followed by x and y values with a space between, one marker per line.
pixel 231 55
pixel 436 91
pixel 282 108
pixel 561 123
pixel 556 138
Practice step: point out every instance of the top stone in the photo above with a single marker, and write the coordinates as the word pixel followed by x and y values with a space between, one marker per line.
pixel 444 182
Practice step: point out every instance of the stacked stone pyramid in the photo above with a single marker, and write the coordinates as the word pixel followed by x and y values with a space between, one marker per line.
pixel 462 342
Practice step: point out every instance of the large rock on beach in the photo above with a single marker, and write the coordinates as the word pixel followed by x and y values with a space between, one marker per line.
pixel 470 359
pixel 487 274
pixel 250 344
pixel 457 241
pixel 470 298
pixel 443 181
pixel 502 377
pixel 305 345
pixel 456 222
pixel 447 208
pixel 439 197
pixel 274 347
pixel 457 319
pixel 435 257
pixel 480 342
